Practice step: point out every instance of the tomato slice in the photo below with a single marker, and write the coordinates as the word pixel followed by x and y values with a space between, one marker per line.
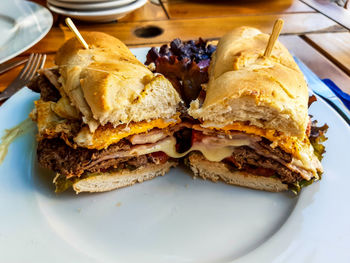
pixel 197 136
pixel 159 157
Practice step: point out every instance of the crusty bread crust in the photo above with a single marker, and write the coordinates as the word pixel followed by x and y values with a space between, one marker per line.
pixel 72 52
pixel 215 171
pixel 244 85
pixel 107 84
pixel 109 181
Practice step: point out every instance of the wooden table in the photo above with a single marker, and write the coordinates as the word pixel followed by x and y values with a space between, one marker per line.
pixel 316 31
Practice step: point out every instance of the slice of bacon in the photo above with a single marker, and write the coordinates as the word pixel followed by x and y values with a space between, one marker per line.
pixel 150 137
pixel 156 134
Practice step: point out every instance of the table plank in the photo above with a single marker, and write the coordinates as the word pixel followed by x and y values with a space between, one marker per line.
pixel 149 12
pixel 196 9
pixel 192 28
pixel 335 46
pixel 331 10
pixel 316 61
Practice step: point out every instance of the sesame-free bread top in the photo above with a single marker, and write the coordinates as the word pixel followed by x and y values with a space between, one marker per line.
pixel 244 86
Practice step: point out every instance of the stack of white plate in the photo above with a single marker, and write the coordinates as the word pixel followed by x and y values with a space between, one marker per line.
pixel 95 10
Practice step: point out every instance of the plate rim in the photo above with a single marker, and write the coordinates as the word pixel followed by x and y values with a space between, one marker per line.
pixel 114 11
pixel 81 6
pixel 40 37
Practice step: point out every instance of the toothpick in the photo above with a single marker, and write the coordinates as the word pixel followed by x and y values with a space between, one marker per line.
pixel 277 27
pixel 73 28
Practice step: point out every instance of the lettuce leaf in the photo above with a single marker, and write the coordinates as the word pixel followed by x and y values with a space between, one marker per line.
pixel 62 183
pixel 296 187
pixel 317 138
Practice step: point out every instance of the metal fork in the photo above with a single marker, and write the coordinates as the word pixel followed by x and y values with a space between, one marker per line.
pixel 34 63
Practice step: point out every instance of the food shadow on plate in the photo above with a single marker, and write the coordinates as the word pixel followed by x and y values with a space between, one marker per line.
pixel 43 181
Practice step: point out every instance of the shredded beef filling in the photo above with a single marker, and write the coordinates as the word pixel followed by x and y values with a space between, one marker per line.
pixel 47 90
pixel 287 157
pixel 55 155
pixel 245 158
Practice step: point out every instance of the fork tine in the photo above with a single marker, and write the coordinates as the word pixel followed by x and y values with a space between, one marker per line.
pixel 35 67
pixel 42 64
pixel 34 62
pixel 31 67
pixel 26 66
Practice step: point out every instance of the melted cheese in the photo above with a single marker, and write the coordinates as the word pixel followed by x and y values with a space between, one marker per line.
pixel 300 149
pixel 213 154
pixel 107 135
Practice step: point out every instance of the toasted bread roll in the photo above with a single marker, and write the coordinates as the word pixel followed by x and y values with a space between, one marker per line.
pixel 107 84
pixel 245 86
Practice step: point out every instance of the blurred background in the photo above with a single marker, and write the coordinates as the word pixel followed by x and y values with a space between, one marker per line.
pixel 317 31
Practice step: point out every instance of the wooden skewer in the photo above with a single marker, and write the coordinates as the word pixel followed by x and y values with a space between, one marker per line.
pixel 277 27
pixel 74 29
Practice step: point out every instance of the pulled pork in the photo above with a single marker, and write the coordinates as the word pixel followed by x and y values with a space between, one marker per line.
pixel 48 92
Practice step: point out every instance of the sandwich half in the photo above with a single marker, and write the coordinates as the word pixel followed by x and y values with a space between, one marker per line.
pixel 253 121
pixel 104 119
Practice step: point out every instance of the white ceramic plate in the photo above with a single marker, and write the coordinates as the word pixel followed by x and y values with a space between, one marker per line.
pixel 172 218
pixel 90 6
pixel 22 24
pixel 99 16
